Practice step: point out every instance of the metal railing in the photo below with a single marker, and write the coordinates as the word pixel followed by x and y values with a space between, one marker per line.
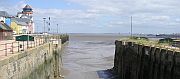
pixel 17 46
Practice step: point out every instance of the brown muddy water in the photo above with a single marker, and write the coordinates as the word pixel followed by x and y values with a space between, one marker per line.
pixel 86 56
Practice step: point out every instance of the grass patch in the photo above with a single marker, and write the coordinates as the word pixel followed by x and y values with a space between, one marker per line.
pixel 146 41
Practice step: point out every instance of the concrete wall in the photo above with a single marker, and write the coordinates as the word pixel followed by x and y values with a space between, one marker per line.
pixel 134 61
pixel 22 64
pixel 51 69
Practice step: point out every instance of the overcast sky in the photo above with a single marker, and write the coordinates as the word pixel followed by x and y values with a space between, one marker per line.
pixel 102 16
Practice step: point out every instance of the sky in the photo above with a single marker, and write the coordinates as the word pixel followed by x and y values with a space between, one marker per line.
pixel 102 16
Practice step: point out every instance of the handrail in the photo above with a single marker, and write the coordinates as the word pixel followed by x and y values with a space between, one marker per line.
pixel 11 48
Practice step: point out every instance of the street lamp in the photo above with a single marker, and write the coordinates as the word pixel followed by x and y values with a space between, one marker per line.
pixel 49 26
pixel 44 19
pixel 131 27
pixel 57 29
pixel 28 37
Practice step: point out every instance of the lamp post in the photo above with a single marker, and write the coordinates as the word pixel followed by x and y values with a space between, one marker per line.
pixel 28 37
pixel 49 26
pixel 57 29
pixel 44 19
pixel 131 27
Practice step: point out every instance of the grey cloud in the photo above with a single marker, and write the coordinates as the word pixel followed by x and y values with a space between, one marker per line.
pixel 146 14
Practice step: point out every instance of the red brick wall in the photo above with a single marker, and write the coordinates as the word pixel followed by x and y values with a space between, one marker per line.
pixel 6 35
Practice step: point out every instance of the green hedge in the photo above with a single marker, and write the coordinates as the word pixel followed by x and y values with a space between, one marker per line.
pixel 166 40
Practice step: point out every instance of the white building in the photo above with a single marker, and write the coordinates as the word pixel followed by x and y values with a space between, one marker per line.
pixel 28 14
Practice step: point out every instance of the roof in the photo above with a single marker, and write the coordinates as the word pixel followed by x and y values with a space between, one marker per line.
pixel 26 20
pixel 26 16
pixel 4 14
pixel 28 6
pixel 19 12
pixel 21 21
pixel 4 26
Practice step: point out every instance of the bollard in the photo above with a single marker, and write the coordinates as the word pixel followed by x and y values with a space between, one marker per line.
pixel 31 44
pixel 39 41
pixel 18 46
pixel 27 44
pixel 34 43
pixel 6 49
pixel 12 48
pixel 23 45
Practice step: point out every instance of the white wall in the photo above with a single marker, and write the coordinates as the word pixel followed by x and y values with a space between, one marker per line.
pixel 2 19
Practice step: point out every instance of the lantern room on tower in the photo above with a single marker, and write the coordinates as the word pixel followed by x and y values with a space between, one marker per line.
pixel 27 10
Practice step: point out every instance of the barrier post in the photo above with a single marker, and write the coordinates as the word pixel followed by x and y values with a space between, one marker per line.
pixel 23 45
pixel 6 49
pixel 12 48
pixel 34 43
pixel 18 46
pixel 31 44
pixel 39 41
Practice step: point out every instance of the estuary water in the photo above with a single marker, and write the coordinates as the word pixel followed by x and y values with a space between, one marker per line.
pixel 87 56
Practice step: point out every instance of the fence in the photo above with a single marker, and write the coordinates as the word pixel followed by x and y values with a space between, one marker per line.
pixel 11 48
pixel 17 46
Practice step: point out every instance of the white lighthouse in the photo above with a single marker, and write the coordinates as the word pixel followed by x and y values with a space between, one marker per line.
pixel 27 13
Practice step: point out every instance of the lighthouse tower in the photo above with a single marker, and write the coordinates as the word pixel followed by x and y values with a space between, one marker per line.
pixel 28 14
pixel 27 10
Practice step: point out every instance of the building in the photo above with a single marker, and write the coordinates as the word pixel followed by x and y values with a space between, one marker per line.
pixel 5 17
pixel 176 43
pixel 21 25
pixel 16 28
pixel 27 13
pixel 5 31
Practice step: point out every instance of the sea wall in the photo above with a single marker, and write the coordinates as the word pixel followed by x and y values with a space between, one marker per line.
pixel 135 61
pixel 22 64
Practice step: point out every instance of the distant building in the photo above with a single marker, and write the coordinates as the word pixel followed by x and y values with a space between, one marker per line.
pixel 176 43
pixel 21 25
pixel 16 27
pixel 28 14
pixel 5 17
pixel 5 31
